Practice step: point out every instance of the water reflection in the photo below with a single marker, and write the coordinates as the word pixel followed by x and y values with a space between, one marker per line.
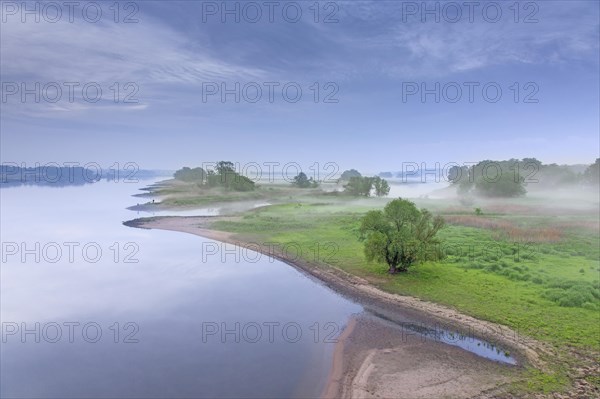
pixel 463 339
pixel 167 291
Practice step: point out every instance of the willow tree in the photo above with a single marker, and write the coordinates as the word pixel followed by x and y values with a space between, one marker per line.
pixel 401 235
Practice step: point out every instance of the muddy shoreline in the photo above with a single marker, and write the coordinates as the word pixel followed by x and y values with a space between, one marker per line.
pixel 361 361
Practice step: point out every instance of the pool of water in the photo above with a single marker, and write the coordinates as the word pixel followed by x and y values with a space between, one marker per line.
pixel 463 338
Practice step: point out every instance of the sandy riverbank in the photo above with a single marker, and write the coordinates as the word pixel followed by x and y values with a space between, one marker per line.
pixel 373 358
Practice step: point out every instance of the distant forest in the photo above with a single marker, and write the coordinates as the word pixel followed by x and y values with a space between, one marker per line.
pixel 61 176
pixel 509 178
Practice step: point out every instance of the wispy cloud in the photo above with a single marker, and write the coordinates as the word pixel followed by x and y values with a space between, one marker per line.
pixel 148 54
pixel 392 43
pixel 80 51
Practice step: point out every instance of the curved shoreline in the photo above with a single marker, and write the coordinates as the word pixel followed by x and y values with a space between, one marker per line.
pixel 350 361
pixel 336 375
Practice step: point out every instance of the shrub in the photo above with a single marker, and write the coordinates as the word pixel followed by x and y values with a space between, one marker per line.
pixel 575 298
pixel 494 267
pixel 572 293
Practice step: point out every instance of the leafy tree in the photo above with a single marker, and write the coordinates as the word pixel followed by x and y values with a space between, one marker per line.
pixel 509 178
pixel 186 174
pixel 240 183
pixel 456 174
pixel 212 179
pixel 462 178
pixel 400 235
pixel 224 167
pixel 348 174
pixel 531 162
pixel 592 173
pixel 226 172
pixel 490 178
pixel 552 175
pixel 359 186
pixel 224 175
pixel 382 188
pixel 229 179
pixel 302 181
pixel 503 185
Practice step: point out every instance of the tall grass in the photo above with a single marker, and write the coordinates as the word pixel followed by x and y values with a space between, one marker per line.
pixel 507 230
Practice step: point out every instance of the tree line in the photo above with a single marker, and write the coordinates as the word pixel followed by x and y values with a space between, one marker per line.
pixel 223 175
pixel 510 178
pixel 353 182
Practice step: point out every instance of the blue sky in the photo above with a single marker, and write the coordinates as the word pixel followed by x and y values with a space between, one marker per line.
pixel 369 57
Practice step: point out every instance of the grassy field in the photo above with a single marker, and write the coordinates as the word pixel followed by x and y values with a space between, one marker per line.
pixel 189 195
pixel 531 267
pixel 545 290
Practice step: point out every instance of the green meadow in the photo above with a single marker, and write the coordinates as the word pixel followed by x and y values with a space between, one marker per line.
pixel 545 290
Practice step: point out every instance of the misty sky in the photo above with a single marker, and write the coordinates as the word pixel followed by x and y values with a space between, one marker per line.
pixel 366 57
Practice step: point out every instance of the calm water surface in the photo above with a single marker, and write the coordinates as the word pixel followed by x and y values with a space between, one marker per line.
pixel 174 322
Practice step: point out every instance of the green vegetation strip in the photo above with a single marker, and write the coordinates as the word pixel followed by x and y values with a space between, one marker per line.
pixel 548 291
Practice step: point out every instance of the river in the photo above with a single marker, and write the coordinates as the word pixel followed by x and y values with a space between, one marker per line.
pixel 174 321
